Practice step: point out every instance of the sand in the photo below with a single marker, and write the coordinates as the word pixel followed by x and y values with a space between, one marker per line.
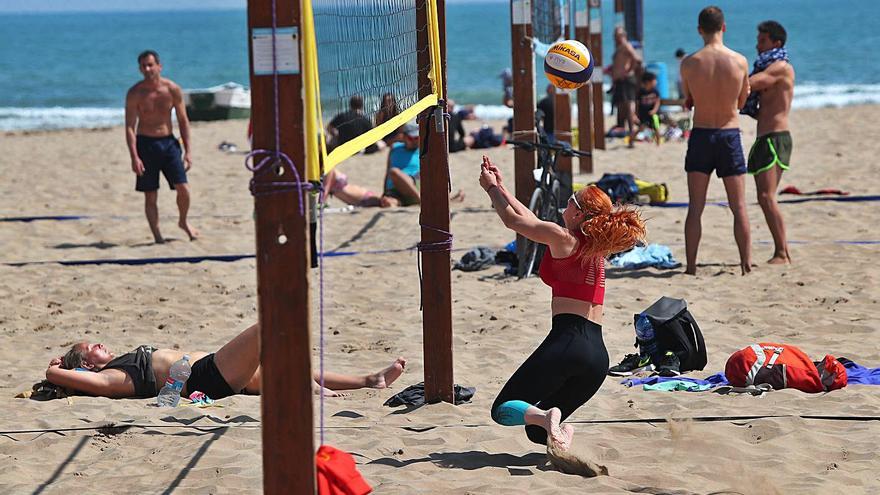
pixel 825 303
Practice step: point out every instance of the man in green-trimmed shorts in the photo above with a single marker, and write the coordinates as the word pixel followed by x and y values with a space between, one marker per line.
pixel 771 153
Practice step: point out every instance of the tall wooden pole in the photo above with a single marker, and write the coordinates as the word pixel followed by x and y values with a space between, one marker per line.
pixel 595 8
pixel 584 93
pixel 562 134
pixel 282 258
pixel 437 276
pixel 523 102
pixel 562 118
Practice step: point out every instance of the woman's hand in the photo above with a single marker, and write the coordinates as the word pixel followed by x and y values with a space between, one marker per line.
pixel 55 362
pixel 488 179
pixel 492 168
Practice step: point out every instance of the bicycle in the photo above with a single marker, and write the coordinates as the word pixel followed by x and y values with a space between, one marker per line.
pixel 545 200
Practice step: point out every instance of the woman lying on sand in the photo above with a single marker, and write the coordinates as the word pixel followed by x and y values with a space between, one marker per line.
pixel 570 365
pixel 234 369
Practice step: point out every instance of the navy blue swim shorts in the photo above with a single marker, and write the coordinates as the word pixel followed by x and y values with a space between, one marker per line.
pixel 159 154
pixel 715 149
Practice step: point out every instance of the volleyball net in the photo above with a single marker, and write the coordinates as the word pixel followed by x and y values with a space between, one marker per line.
pixel 364 53
pixel 550 23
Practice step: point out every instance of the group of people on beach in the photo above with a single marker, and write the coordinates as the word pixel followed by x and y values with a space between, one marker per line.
pixel 570 365
pixel 715 82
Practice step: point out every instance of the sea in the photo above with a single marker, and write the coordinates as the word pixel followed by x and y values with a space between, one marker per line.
pixel 72 69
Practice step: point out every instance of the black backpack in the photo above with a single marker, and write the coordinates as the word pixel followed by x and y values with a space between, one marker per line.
pixel 621 188
pixel 676 330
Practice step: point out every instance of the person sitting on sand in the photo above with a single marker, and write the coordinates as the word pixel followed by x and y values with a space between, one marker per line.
pixel 388 109
pixel 234 369
pixel 403 169
pixel 570 365
pixel 336 184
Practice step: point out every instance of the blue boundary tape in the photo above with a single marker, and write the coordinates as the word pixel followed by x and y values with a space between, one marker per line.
pixel 223 258
pixel 845 199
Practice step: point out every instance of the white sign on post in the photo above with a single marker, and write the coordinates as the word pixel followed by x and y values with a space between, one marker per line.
pixel 286 54
pixel 521 11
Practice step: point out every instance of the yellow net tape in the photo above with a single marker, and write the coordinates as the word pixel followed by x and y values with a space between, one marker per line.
pixel 318 161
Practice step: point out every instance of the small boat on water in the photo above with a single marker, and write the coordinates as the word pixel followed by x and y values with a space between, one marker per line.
pixel 226 101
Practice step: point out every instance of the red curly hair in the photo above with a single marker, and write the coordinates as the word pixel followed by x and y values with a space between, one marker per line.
pixel 607 229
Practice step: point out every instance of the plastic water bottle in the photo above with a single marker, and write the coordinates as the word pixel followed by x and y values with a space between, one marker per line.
pixel 645 336
pixel 169 396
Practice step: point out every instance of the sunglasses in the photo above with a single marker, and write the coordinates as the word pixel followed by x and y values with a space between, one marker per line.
pixel 574 199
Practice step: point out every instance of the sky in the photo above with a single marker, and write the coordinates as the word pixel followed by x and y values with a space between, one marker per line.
pixel 117 5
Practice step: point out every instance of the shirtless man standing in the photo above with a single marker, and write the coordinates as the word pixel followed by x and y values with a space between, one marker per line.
pixel 773 83
pixel 715 82
pixel 623 67
pixel 152 145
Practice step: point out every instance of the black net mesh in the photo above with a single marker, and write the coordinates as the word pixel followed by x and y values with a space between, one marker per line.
pixel 367 56
pixel 550 21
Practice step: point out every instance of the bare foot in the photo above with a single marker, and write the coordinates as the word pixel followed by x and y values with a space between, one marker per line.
pixel 559 434
pixel 779 259
pixel 458 197
pixel 387 376
pixel 191 231
pixel 691 270
pixel 746 268
pixel 326 392
pixel 158 239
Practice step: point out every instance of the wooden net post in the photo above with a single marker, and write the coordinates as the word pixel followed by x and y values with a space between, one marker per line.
pixel 595 8
pixel 523 103
pixel 437 277
pixel 584 93
pixel 282 252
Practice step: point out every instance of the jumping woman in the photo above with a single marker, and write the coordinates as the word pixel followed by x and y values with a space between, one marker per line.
pixel 570 365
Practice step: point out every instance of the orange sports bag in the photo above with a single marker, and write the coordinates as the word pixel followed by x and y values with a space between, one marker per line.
pixel 783 366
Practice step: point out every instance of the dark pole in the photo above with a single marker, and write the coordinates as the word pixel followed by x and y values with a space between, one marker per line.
pixel 523 102
pixel 282 263
pixel 437 276
pixel 596 84
pixel 584 93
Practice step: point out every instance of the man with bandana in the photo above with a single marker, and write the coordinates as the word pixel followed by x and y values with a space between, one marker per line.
pixel 772 83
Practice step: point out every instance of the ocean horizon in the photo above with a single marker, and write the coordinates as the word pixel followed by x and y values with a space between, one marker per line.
pixel 69 70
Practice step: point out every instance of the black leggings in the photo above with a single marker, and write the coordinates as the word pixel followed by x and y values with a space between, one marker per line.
pixel 564 371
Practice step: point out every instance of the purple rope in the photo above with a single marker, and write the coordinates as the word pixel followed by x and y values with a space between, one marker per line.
pixel 321 305
pixel 444 245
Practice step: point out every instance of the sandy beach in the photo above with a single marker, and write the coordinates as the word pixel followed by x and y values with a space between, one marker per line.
pixel 825 303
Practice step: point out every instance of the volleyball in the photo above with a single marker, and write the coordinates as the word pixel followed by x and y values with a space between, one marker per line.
pixel 568 64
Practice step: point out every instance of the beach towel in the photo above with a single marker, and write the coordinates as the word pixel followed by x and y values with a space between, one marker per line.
pixel 857 374
pixel 337 473
pixel 652 255
pixel 795 190
pixel 716 380
pixel 753 102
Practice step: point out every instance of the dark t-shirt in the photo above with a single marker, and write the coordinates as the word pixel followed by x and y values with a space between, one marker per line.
pixel 350 125
pixel 646 100
pixel 456 133
pixel 546 105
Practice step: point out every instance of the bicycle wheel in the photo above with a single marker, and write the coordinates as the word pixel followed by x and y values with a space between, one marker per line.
pixel 532 251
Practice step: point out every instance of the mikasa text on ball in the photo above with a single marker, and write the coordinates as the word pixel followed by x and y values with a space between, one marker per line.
pixel 568 64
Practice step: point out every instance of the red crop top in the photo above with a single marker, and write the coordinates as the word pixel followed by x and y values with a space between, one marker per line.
pixel 568 278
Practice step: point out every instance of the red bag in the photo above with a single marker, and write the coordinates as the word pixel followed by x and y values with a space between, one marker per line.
pixel 337 474
pixel 783 366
